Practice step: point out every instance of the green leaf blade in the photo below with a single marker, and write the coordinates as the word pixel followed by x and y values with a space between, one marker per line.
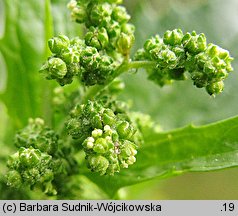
pixel 27 26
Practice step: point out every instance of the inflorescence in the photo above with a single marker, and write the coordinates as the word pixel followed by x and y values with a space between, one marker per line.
pixel 108 139
pixel 40 160
pixel 176 53
pixel 106 44
pixel 100 125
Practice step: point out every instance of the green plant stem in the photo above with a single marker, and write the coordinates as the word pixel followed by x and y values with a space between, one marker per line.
pixel 124 67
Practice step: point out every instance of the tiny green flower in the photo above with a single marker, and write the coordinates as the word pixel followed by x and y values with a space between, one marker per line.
pixel 173 37
pixel 215 88
pixel 153 43
pixel 98 164
pixel 37 135
pixel 194 43
pixel 70 55
pixel 96 133
pixel 58 44
pixel 97 37
pixel 78 11
pixel 125 130
pixel 100 14
pixel 13 179
pixel 54 68
pixel 124 43
pixel 120 14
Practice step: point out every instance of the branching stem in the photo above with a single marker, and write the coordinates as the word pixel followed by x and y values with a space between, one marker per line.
pixel 124 67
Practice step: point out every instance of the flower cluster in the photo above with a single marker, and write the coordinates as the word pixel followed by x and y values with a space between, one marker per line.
pixel 109 140
pixel 101 127
pixel 176 53
pixel 63 64
pixel 39 160
pixel 38 136
pixel 107 42
pixel 74 58
pixel 107 24
pixel 30 166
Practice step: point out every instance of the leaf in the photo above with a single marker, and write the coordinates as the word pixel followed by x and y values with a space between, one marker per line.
pixel 206 148
pixel 27 24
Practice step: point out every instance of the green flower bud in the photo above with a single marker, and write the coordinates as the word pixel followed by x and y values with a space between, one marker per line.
pixel 77 42
pixel 74 126
pixel 101 146
pixel 65 65
pixel 140 55
pixel 128 152
pixel 13 162
pixel 106 63
pixel 89 143
pixel 97 68
pixel 34 169
pixel 98 164
pixel 220 57
pixel 173 37
pixel 70 55
pixel 108 117
pixel 128 28
pixel 97 37
pixel 120 14
pixel 113 29
pixel 125 130
pixel 194 43
pixel 180 54
pixel 128 149
pixel 100 14
pixel 153 43
pixel 90 58
pixel 215 88
pixel 85 118
pixel 32 166
pixel 31 176
pixel 78 11
pixel 97 121
pixel 58 44
pixel 13 179
pixel 55 68
pixel 209 68
pixel 108 132
pixel 29 157
pixel 124 43
pixel 97 133
pixel 47 176
pixel 37 135
pixel 115 136
pixel 167 59
pixel 199 79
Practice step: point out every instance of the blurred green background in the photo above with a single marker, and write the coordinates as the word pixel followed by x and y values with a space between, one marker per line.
pixel 172 106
